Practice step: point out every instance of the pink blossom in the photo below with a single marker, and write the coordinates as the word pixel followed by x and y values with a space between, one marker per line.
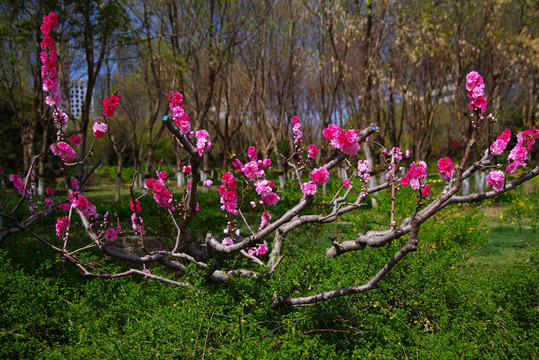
pixel 320 175
pixel 312 151
pixel 99 129
pixel 264 220
pixel 261 250
pixel 49 191
pixel 405 180
pixel 162 175
pixel 207 183
pixel 187 169
pixel 47 42
pixel 175 98
pixel 445 167
pixel 516 158
pixel 270 198
pixel 227 241
pixel 61 226
pixel 75 140
pixel 476 88
pixel 64 151
pixel 47 202
pixel 137 224
pixel 497 180
pixel 346 183
pixel 137 207
pixel 17 183
pixel 363 166
pixel 112 233
pixel 110 104
pixel 308 188
pixel 251 152
pixel 426 191
pixel 64 206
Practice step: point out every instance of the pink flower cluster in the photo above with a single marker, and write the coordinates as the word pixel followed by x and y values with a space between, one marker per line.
pixel 75 140
pixel 363 169
pixel 229 194
pixel 416 177
pixel 345 140
pixel 49 72
pixel 258 251
pixel 110 104
pixel 99 129
pixel 320 175
pixel 476 91
pixel 254 168
pixel 308 188
pixel 264 220
pixel 64 151
pixel 136 220
pixel 264 189
pixel 296 129
pixel 61 226
pixel 17 183
pixel 446 169
pixel 346 183
pixel 519 154
pixel 499 146
pixel 161 194
pixel 312 151
pixel 180 117
pixel 60 119
pixel 112 233
pixel 497 180
pixel 81 203
pixel 203 141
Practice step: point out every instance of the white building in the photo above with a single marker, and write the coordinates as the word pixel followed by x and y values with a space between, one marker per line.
pixel 77 93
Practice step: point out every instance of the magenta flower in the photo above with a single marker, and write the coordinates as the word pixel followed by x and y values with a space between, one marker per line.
pixel 99 128
pixel 64 151
pixel 162 175
pixel 187 169
pixel 61 226
pixel 320 175
pixel 346 183
pixel 445 167
pixel 497 180
pixel 312 151
pixel 308 188
pixel 49 191
pixel 75 140
pixel 261 250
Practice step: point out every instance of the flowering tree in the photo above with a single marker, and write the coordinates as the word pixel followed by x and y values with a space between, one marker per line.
pixel 261 241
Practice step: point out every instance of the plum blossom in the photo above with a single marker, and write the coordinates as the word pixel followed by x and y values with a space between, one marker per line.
pixel 187 169
pixel 112 233
pixel 110 104
pixel 17 183
pixel 49 191
pixel 499 146
pixel 61 226
pixel 497 180
pixel 264 220
pixel 203 143
pixel 162 175
pixel 99 129
pixel 308 188
pixel 346 183
pixel 81 203
pixel 445 167
pixel 312 151
pixel 261 250
pixel 64 151
pixel 320 175
pixel 75 140
pixel 476 91
pixel 207 183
